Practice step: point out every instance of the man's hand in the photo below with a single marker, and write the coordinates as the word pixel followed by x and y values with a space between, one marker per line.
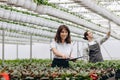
pixel 108 34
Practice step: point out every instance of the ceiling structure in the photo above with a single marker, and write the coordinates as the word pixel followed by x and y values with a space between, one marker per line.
pixel 111 5
pixel 42 25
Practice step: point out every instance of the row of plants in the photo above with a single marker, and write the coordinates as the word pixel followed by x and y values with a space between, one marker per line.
pixel 39 69
pixel 6 24
pixel 55 12
pixel 63 15
pixel 32 19
pixel 7 7
pixel 29 18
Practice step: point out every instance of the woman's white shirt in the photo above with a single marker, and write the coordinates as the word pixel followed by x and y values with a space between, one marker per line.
pixel 62 47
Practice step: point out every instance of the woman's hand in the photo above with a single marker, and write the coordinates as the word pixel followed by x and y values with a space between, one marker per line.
pixel 73 59
pixel 64 57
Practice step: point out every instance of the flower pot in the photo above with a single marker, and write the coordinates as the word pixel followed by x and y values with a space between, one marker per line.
pixel 16 28
pixel 18 17
pixel 28 18
pixel 12 2
pixel 1 12
pixel 13 15
pixel 12 27
pixel 3 0
pixel 0 24
pixel 41 9
pixel 5 25
pixel 20 2
pixel 33 6
pixel 23 18
pixel 117 74
pixel 6 14
pixel 27 4
pixel 37 21
pixel 33 19
pixel 42 22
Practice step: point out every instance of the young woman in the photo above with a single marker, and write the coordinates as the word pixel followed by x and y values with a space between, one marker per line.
pixel 61 47
pixel 92 48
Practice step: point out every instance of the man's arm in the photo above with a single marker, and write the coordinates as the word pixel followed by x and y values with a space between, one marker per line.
pixel 101 41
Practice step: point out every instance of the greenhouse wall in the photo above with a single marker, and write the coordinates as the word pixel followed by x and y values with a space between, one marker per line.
pixel 110 50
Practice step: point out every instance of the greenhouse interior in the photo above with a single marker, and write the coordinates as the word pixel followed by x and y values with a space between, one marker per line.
pixel 28 27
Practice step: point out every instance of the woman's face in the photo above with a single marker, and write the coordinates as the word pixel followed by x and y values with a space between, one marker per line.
pixel 63 34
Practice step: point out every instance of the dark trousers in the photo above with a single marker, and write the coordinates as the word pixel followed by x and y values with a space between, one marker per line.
pixel 60 63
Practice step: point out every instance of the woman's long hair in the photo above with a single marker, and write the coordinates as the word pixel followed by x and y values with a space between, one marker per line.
pixel 59 30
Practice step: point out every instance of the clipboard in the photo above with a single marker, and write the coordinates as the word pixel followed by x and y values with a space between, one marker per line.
pixel 74 59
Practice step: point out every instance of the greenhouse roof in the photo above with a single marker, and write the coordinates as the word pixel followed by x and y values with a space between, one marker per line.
pixel 21 19
pixel 112 6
